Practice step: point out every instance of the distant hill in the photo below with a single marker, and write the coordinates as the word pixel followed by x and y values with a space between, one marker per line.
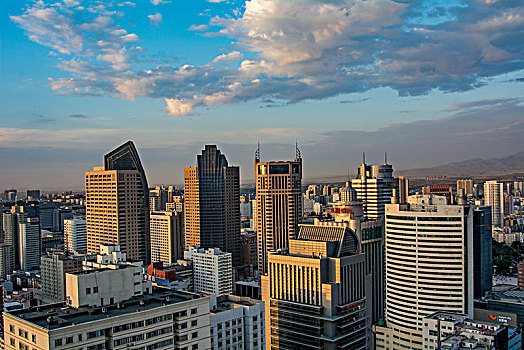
pixel 475 167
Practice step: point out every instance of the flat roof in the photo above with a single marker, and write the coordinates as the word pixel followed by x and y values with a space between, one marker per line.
pixel 62 315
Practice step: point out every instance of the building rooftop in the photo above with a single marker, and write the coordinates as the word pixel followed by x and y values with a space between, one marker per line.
pixel 54 316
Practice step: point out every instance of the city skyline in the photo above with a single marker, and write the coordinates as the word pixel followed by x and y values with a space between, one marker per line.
pixel 427 82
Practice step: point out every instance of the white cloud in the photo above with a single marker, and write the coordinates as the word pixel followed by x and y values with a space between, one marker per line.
pixel 289 51
pixel 232 56
pixel 200 28
pixel 155 19
pixel 177 107
pixel 158 2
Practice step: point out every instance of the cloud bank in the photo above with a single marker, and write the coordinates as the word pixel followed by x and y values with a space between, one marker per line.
pixel 289 51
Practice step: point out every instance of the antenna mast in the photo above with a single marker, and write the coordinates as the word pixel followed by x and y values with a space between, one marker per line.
pixel 257 152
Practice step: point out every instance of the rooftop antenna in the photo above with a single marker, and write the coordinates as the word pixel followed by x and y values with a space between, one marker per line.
pixel 386 157
pixel 297 150
pixel 363 157
pixel 257 152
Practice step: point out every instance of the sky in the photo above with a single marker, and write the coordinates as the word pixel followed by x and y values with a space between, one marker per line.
pixel 428 82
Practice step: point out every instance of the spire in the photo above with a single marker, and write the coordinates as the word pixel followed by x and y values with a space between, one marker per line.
pixel 257 152
pixel 363 157
pixel 298 155
pixel 385 157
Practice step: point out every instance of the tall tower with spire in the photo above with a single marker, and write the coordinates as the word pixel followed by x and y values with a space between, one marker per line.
pixel 279 204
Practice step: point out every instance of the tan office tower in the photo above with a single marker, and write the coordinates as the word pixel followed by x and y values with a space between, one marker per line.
pixel 466 185
pixel 167 236
pixel 279 204
pixel 212 203
pixel 316 295
pixel 117 204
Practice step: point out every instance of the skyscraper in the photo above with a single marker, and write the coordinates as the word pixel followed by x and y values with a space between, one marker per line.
pixel 482 251
pixel 29 243
pixel 494 197
pixel 316 292
pixel 212 203
pixel 370 235
pixel 75 235
pixel 374 185
pixel 117 204
pixel 421 278
pixel 167 236
pixel 279 204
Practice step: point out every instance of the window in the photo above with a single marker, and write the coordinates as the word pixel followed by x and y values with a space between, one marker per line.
pixel 194 311
pixel 194 323
pixel 33 338
pixel 80 337
pixel 195 346
pixel 12 341
pixel 69 340
pixel 95 289
pixel 58 342
pixel 11 328
pixel 194 335
pixel 88 290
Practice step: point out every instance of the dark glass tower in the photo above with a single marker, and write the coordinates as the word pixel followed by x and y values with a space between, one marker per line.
pixel 212 203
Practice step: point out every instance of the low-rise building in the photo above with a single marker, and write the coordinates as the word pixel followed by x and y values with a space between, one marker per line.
pixel 163 319
pixel 237 323
pixel 451 331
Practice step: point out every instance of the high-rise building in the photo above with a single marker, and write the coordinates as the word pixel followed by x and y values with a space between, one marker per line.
pixel 374 185
pixel 508 204
pixel 33 195
pixel 29 243
pixel 10 195
pixel 482 252
pixel 7 260
pixel 117 204
pixel 421 279
pixel 494 197
pixel 315 292
pixel 371 243
pixel 158 198
pixel 212 270
pixel 403 189
pixel 465 185
pixel 53 269
pixel 10 224
pixel 75 235
pixel 212 203
pixel 279 204
pixel 167 236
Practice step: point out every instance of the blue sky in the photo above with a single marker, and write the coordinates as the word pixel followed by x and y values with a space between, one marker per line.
pixel 427 81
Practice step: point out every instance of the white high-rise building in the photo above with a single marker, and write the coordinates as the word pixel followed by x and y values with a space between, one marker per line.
pixel 429 267
pixel 494 197
pixel 212 270
pixel 167 236
pixel 75 235
pixel 29 243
